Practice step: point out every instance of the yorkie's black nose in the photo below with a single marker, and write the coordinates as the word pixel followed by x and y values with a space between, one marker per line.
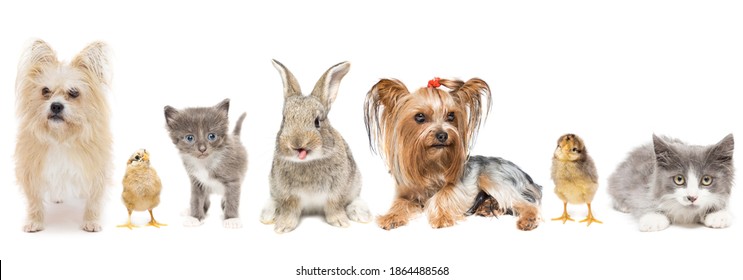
pixel 442 136
pixel 57 107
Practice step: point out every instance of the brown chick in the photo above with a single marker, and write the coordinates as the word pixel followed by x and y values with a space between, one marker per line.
pixel 575 176
pixel 141 187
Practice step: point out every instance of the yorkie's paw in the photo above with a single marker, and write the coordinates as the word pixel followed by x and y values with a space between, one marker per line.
pixel 391 221
pixel 527 223
pixel 92 226
pixel 442 221
pixel 719 219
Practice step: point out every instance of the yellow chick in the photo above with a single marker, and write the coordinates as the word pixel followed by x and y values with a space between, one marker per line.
pixel 141 187
pixel 575 176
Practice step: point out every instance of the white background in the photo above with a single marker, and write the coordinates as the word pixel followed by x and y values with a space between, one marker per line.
pixel 614 73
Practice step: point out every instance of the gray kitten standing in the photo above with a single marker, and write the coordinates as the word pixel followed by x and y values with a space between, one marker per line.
pixel 669 181
pixel 215 160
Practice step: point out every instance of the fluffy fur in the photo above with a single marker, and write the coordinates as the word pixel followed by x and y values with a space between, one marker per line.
pixel 64 137
pixel 216 161
pixel 313 169
pixel 425 138
pixel 669 181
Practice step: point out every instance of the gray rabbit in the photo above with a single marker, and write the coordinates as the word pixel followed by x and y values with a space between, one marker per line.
pixel 313 169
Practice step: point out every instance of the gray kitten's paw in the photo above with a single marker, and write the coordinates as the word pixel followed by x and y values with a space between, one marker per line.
pixel 92 226
pixel 654 222
pixel 233 223
pixel 719 219
pixel 192 222
pixel 358 211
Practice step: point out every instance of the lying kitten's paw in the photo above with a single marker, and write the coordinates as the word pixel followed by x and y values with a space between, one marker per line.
pixel 719 219
pixel 654 222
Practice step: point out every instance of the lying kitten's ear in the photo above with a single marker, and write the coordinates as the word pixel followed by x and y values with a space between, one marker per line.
pixel 665 156
pixel 722 152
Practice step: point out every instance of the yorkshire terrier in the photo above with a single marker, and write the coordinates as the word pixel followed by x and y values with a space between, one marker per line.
pixel 425 138
pixel 64 138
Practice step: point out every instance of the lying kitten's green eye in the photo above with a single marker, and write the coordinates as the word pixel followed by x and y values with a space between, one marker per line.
pixel 679 180
pixel 707 180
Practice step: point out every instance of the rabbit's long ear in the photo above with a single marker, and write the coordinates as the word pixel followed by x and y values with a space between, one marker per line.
pixel 291 86
pixel 94 60
pixel 326 88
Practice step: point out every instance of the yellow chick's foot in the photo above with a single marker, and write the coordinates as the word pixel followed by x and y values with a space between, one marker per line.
pixel 590 219
pixel 564 218
pixel 128 225
pixel 153 222
pixel 156 224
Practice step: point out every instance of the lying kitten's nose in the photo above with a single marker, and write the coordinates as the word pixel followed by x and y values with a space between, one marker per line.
pixel 691 198
pixel 57 107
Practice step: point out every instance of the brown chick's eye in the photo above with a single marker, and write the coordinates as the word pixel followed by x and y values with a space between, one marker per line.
pixel 137 158
pixel 450 117
pixel 73 93
pixel 46 92
pixel 420 118
pixel 575 150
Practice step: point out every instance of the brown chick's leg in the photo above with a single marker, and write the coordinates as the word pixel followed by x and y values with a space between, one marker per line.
pixel 565 217
pixel 590 219
pixel 128 222
pixel 153 222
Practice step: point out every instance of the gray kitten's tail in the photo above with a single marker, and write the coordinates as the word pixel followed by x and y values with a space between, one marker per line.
pixel 239 125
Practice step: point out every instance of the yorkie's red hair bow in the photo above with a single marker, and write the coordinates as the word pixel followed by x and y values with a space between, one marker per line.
pixel 434 83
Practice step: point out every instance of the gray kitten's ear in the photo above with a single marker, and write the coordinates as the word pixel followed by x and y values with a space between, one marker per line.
pixel 326 89
pixel 291 86
pixel 665 156
pixel 170 115
pixel 722 152
pixel 224 106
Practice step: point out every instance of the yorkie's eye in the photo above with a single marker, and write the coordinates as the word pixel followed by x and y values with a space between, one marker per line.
pixel 73 92
pixel 211 137
pixel 707 180
pixel 46 92
pixel 189 138
pixel 679 180
pixel 450 117
pixel 420 118
pixel 317 122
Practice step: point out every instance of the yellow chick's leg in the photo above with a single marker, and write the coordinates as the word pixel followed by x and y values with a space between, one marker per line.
pixel 590 219
pixel 153 222
pixel 128 221
pixel 565 217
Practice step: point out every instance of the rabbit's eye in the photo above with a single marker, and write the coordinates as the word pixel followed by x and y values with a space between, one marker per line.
pixel 317 122
pixel 189 138
pixel 73 92
pixel 450 117
pixel 420 118
pixel 211 137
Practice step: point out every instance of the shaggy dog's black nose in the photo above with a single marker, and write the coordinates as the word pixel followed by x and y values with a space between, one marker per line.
pixel 57 107
pixel 442 136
